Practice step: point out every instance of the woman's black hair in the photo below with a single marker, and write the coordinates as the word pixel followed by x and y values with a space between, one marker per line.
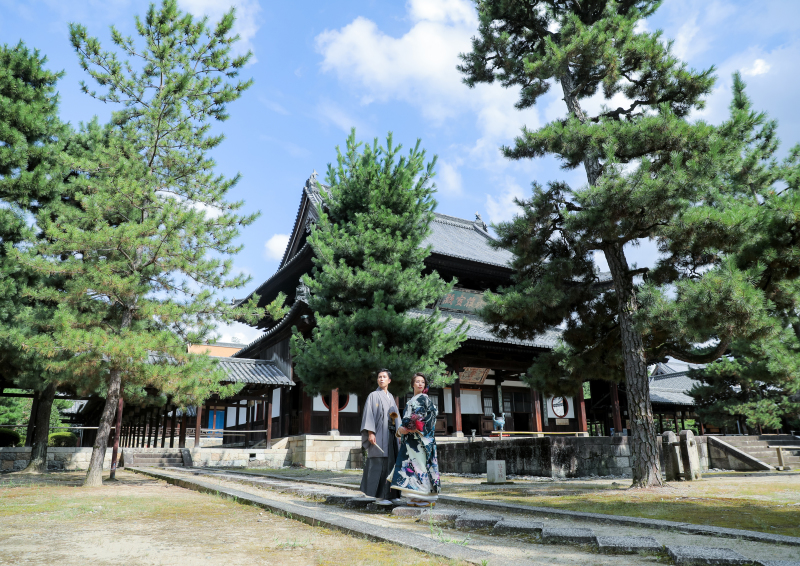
pixel 386 371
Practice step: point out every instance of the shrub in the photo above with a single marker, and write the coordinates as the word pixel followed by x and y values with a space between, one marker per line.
pixel 62 440
pixel 9 437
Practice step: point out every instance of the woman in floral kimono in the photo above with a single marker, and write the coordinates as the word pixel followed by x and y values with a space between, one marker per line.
pixel 416 473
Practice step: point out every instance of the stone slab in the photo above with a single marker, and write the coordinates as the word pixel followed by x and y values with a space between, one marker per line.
pixel 439 515
pixel 359 502
pixel 627 545
pixel 779 563
pixel 701 555
pixel 406 511
pixel 552 535
pixel 338 499
pixel 477 521
pixel 518 527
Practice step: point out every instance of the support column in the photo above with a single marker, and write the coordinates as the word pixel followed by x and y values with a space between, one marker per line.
pixel 32 421
pixel 702 428
pixel 500 409
pixel 457 409
pixel 282 408
pixel 164 426
pixel 334 413
pixel 580 411
pixel 184 423
pixel 307 409
pixel 268 418
pixel 172 427
pixel 248 423
pixel 117 432
pixel 152 436
pixel 198 425
pixel 683 419
pixel 615 412
pixel 536 402
pixel 675 420
pixel 660 423
pixel 138 430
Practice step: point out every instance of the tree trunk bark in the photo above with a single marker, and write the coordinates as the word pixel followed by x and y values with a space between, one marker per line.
pixel 41 435
pixel 644 448
pixel 94 476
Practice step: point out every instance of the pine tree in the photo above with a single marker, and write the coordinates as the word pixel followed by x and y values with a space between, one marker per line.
pixel 32 184
pixel 749 228
pixel 644 162
pixel 150 238
pixel 368 276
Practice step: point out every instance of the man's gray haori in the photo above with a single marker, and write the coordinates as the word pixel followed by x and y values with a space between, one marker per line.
pixel 380 461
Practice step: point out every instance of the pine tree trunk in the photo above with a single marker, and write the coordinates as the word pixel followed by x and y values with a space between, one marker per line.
pixel 41 435
pixel 94 476
pixel 643 441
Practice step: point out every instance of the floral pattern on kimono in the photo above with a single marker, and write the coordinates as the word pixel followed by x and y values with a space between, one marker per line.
pixel 417 467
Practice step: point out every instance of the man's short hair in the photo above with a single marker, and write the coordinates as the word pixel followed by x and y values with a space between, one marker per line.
pixel 386 371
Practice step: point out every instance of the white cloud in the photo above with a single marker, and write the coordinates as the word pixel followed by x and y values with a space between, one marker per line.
pixel 419 68
pixel 760 67
pixel 686 41
pixel 237 333
pixel 248 18
pixel 272 105
pixel 275 247
pixel 331 113
pixel 449 179
pixel 502 208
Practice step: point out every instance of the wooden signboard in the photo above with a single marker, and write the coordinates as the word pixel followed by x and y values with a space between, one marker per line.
pixel 473 376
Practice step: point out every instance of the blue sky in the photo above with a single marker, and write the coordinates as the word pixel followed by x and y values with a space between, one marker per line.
pixel 322 67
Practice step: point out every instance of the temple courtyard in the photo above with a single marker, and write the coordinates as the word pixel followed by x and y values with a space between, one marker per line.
pixel 301 516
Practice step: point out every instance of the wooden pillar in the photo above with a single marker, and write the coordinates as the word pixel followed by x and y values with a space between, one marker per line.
pixel 702 428
pixel 335 411
pixel 164 426
pixel 615 412
pixel 152 438
pixel 184 423
pixel 536 402
pixel 173 424
pixel 660 423
pixel 117 432
pixel 457 408
pixel 247 423
pixel 282 408
pixel 32 421
pixel 268 419
pixel 580 411
pixel 307 409
pixel 198 425
pixel 675 419
pixel 683 420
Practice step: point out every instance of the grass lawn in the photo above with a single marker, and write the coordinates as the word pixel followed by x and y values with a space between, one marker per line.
pixel 49 520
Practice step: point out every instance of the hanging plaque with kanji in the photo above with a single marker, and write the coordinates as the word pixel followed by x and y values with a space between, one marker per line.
pixel 462 300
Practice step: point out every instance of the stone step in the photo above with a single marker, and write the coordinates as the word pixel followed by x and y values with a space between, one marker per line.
pixel 155 461
pixel 159 465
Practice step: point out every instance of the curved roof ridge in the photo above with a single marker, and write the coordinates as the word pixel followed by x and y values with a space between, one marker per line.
pixel 281 324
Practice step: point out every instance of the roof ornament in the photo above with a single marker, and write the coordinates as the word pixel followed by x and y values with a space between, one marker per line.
pixel 480 223
pixel 302 292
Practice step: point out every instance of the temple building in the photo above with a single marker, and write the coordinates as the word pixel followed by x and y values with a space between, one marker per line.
pixel 489 368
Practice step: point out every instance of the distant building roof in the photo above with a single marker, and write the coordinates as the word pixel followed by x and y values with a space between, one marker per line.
pixel 672 388
pixel 465 239
pixel 242 370
pixel 225 345
pixel 481 330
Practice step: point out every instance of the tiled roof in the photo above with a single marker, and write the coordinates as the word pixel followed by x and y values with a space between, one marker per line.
pixel 263 372
pixel 672 388
pixel 481 330
pixel 464 239
pixel 288 318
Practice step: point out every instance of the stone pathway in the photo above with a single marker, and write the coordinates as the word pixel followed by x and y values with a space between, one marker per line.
pixel 469 533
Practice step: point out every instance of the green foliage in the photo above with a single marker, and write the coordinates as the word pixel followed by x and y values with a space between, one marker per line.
pixel 9 438
pixel 14 410
pixel 62 440
pixel 368 275
pixel 32 176
pixel 150 238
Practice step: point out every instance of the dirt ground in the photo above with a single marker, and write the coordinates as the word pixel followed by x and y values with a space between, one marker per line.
pixel 50 519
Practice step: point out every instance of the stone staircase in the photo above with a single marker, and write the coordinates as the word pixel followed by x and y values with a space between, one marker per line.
pixel 762 447
pixel 154 458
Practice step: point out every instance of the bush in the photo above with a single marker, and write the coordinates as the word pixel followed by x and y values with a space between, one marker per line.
pixel 62 440
pixel 9 437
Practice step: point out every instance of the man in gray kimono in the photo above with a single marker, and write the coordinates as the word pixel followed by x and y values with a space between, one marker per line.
pixel 378 439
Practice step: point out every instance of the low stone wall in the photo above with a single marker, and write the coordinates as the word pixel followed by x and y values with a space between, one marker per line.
pixel 322 452
pixel 240 458
pixel 67 459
